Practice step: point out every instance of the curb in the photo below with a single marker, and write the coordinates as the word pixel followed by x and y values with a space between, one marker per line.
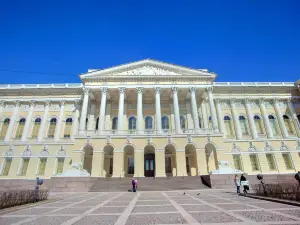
pixel 288 202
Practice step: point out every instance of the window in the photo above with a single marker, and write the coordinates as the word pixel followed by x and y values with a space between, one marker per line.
pixel 165 123
pixel 60 165
pixel 258 124
pixel 187 164
pixel 288 124
pixel 111 165
pixel 287 161
pixel 6 167
pixel 42 166
pixel 199 119
pixel 68 128
pixel 237 162
pixel 25 163
pixel 132 123
pixel 130 169
pixel 4 128
pixel 97 123
pixel 168 162
pixel 182 122
pixel 254 162
pixel 228 127
pixel 273 124
pixel 36 128
pixel 20 128
pixel 52 127
pixel 209 122
pixel 115 123
pixel 271 161
pixel 148 122
pixel 243 125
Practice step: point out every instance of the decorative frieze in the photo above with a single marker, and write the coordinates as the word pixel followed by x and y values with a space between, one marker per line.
pixel 54 108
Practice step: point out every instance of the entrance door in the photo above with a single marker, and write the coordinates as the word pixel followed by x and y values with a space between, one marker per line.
pixel 149 165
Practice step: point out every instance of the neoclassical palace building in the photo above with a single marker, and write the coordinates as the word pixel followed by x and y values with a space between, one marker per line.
pixel 149 119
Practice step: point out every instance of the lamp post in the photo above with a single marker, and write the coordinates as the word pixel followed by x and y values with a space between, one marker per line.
pixel 261 178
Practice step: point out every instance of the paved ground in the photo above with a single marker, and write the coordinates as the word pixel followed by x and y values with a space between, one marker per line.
pixel 142 208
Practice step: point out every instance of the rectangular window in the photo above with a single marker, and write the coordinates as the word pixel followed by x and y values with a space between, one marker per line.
pixel 68 130
pixel 237 162
pixel 287 161
pixel 42 166
pixel 130 166
pixel 24 167
pixel 254 162
pixel 168 165
pixel 271 161
pixel 6 167
pixel 60 165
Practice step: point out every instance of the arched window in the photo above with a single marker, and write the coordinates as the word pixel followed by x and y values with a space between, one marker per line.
pixel 254 162
pixel 288 124
pixel 4 128
pixel 86 123
pixel 273 124
pixel 115 123
pixel 182 122
pixel 165 123
pixel 68 128
pixel 52 127
pixel 20 128
pixel 148 123
pixel 243 125
pixel 199 119
pixel 258 124
pixel 228 127
pixel 287 161
pixel 97 123
pixel 36 128
pixel 132 123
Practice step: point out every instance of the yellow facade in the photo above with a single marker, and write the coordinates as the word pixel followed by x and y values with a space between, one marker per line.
pixel 157 132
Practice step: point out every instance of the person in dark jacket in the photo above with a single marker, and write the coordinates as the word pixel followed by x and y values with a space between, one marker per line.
pixel 133 182
pixel 246 187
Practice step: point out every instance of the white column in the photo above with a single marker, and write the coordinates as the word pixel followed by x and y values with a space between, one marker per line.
pixel 220 116
pixel 28 121
pixel 176 110
pixel 102 110
pixel 294 116
pixel 85 104
pixel 204 114
pixel 266 118
pixel 213 115
pixel 2 106
pixel 157 110
pixel 121 109
pixel 76 119
pixel 280 119
pixel 60 120
pixel 192 91
pixel 251 119
pixel 235 117
pixel 140 120
pixel 44 121
pixel 12 121
pixel 91 117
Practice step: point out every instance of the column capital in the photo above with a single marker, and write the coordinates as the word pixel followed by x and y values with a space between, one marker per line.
pixel 63 102
pixel 246 101
pixel 86 90
pixel 174 89
pixel 209 89
pixel 122 89
pixel 47 103
pixel 77 101
pixel 32 103
pixel 17 103
pixel 192 89
pixel 140 90
pixel 104 90
pixel 232 101
pixel 261 101
pixel 275 100
pixel 218 100
pixel 289 100
pixel 2 103
pixel 157 90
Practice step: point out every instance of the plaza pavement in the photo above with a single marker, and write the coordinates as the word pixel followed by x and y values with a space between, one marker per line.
pixel 143 208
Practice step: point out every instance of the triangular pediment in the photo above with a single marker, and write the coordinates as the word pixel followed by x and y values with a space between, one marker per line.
pixel 146 68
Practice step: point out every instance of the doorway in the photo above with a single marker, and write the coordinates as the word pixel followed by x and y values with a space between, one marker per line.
pixel 149 168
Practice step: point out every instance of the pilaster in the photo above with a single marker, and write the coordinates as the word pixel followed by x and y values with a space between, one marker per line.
pixel 201 162
pixel 181 163
pixel 118 167
pixel 139 163
pixel 98 164
pixel 160 169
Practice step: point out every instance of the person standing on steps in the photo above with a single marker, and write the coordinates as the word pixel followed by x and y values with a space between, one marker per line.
pixel 237 183
pixel 133 183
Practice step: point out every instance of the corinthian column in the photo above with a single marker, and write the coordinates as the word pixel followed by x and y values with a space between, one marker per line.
pixel 204 114
pixel 237 127
pixel 84 110
pixel 220 117
pixel 214 119
pixel 192 91
pixel 60 119
pixel 176 110
pixel 12 121
pixel 140 110
pixel 294 116
pixel 121 109
pixel 102 110
pixel 44 121
pixel 251 119
pixel 157 110
pixel 28 121
pixel 2 105
pixel 266 118
pixel 280 119
pixel 76 119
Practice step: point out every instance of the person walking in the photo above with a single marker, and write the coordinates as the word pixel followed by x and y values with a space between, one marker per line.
pixel 244 183
pixel 237 183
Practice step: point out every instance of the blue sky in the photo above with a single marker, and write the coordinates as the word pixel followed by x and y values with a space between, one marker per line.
pixel 240 40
